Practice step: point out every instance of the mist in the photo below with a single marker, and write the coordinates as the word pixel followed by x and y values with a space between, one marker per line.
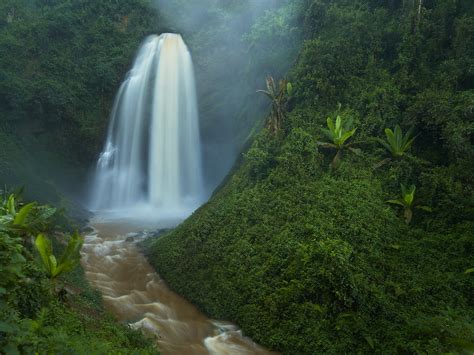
pixel 228 71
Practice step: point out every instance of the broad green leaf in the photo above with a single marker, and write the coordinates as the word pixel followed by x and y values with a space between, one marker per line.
pixel 53 263
pixel 469 271
pixel 396 202
pixel 408 144
pixel 347 135
pixel 407 140
pixel 398 143
pixel 11 205
pixel 330 124
pixel 404 189
pixel 410 195
pixel 338 124
pixel 328 134
pixel 391 138
pixel 408 198
pixel 398 137
pixel 424 208
pixel 289 89
pixel 73 250
pixel 23 214
pixel 44 247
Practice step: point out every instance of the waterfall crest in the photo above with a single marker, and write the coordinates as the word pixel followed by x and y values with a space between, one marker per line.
pixel 152 155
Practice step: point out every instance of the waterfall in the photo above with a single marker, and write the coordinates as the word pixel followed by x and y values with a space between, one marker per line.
pixel 152 155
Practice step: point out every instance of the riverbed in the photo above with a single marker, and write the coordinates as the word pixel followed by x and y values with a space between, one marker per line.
pixel 136 295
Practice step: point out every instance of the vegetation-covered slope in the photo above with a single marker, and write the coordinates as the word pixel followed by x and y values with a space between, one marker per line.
pixel 232 43
pixel 61 63
pixel 69 59
pixel 46 305
pixel 311 259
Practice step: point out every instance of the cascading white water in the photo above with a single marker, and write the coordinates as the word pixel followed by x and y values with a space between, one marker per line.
pixel 151 163
pixel 152 155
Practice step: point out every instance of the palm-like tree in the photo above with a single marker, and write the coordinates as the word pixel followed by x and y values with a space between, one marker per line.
pixel 279 97
pixel 407 201
pixel 396 143
pixel 339 133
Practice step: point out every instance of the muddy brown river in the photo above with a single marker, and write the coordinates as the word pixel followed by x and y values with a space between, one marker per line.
pixel 136 294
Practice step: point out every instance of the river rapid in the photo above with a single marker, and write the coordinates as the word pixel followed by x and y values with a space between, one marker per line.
pixel 136 295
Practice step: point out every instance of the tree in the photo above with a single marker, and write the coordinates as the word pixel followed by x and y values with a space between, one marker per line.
pixel 339 133
pixel 279 97
pixel 396 143
pixel 407 201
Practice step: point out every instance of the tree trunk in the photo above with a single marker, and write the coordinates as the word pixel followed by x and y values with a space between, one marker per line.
pixel 419 11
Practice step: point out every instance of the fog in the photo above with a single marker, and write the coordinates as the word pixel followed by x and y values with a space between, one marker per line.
pixel 227 75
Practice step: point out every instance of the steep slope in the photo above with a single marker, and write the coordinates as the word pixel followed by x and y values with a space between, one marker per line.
pixel 310 260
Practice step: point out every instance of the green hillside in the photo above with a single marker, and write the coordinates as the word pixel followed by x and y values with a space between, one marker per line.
pixel 309 258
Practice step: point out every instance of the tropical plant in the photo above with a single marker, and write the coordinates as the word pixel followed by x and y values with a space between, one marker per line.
pixel 279 97
pixel 68 261
pixel 339 132
pixel 12 222
pixel 407 201
pixel 13 217
pixel 397 143
pixel 11 262
pixel 26 219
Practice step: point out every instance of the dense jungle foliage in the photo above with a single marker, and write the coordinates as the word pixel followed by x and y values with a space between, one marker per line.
pixel 61 63
pixel 71 56
pixel 308 256
pixel 352 234
pixel 46 305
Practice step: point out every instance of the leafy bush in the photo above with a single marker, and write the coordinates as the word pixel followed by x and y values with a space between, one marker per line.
pixel 407 201
pixel 32 319
pixel 339 132
pixel 69 260
pixel 397 143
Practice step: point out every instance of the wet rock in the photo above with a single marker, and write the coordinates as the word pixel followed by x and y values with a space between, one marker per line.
pixel 131 237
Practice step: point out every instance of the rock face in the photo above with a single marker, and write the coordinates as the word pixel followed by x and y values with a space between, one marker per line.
pixel 130 239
